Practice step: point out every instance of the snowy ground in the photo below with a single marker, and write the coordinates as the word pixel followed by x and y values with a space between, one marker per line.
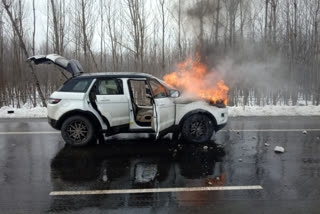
pixel 38 112
pixel 274 111
pixel 25 112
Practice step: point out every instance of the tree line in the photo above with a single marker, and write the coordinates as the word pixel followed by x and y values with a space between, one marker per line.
pixel 267 51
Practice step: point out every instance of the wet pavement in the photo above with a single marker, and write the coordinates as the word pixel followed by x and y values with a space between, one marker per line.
pixel 35 162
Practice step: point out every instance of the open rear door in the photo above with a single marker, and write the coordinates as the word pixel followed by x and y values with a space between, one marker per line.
pixel 72 66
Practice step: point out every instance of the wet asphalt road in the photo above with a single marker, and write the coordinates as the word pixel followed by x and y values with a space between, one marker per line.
pixel 35 164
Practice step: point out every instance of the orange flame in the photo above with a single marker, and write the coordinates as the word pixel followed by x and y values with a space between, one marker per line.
pixel 192 77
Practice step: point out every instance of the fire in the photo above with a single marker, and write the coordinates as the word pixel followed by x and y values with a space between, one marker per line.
pixel 193 78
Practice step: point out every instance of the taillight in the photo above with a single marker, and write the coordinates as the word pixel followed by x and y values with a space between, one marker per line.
pixel 54 101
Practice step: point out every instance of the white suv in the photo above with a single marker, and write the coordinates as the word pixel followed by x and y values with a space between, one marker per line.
pixel 89 106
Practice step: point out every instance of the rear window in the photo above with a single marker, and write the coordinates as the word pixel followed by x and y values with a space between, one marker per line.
pixel 76 85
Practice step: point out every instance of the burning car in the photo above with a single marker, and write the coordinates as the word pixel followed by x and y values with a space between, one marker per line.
pixel 90 105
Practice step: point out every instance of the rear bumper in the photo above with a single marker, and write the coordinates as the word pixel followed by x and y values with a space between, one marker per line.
pixel 53 123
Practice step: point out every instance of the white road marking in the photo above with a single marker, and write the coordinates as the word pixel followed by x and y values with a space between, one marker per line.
pixel 17 133
pixel 153 190
pixel 270 130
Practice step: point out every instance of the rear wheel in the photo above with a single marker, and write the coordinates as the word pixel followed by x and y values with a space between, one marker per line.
pixel 77 131
pixel 198 128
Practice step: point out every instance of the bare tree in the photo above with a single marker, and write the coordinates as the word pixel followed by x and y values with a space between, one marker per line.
pixel 163 25
pixel 266 21
pixel 87 30
pixel 217 22
pixel 200 11
pixel 232 8
pixel 113 34
pixel 2 86
pixel 18 32
pixel 134 39
pixel 34 27
pixel 273 21
pixel 48 21
pixel 101 34
pixel 138 24
pixel 56 39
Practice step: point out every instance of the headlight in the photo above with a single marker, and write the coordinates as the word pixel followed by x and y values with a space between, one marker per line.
pixel 54 101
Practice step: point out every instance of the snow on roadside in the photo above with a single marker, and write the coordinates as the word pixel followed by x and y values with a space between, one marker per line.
pixel 28 111
pixel 269 110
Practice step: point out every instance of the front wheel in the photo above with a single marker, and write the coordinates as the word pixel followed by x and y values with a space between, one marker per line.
pixel 77 131
pixel 197 128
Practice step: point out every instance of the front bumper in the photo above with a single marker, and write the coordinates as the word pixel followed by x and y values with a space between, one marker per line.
pixel 221 126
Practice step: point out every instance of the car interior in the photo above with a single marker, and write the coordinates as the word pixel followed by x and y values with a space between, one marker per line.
pixel 141 102
pixel 109 87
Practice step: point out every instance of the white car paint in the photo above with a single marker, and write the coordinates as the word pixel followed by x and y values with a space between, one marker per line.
pixel 165 109
pixel 115 108
pixel 183 109
pixel 118 109
pixel 70 102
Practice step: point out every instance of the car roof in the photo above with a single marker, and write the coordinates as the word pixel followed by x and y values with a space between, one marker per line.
pixel 116 75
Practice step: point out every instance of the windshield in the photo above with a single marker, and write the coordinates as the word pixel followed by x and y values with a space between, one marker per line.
pixel 166 85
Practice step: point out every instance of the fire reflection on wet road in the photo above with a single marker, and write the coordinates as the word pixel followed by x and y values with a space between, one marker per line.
pixel 32 166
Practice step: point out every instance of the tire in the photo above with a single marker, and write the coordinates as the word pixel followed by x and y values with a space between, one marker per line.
pixel 198 128
pixel 77 131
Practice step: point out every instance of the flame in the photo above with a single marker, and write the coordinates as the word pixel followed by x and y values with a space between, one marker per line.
pixel 193 78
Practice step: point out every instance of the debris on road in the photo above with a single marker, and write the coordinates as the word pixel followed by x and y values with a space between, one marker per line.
pixel 279 149
pixel 254 137
pixel 266 144
pixel 304 132
pixel 105 176
pixel 240 160
pixel 205 148
pixel 145 172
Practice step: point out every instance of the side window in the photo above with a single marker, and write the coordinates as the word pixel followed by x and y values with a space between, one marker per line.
pixel 76 85
pixel 140 92
pixel 109 87
pixel 158 90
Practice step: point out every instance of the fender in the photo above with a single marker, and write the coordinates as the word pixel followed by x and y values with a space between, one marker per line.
pixel 196 111
pixel 87 114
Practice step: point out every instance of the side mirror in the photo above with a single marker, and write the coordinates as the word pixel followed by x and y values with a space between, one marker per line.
pixel 174 93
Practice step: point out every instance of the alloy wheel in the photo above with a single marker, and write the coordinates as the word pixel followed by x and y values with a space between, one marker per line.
pixel 77 131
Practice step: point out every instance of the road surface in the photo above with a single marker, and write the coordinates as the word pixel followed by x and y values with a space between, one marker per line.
pixel 237 173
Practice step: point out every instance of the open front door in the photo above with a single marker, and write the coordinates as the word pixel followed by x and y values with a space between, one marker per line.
pixel 164 108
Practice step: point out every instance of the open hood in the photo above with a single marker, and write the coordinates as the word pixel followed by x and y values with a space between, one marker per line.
pixel 72 66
